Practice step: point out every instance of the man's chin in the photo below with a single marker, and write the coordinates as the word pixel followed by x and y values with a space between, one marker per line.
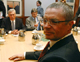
pixel 47 37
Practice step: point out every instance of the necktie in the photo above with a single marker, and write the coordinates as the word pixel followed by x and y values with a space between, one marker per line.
pixel 34 20
pixel 35 23
pixel 44 51
pixel 13 25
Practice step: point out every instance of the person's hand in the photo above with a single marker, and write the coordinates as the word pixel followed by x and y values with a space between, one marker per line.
pixel 15 32
pixel 36 25
pixel 17 57
pixel 74 21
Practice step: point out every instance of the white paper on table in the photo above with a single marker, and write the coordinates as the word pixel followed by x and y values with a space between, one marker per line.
pixel 15 35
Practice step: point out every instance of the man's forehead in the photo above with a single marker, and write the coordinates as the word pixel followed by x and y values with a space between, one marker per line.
pixel 34 12
pixel 53 11
pixel 12 12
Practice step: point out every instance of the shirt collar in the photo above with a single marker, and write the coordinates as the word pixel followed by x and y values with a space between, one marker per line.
pixel 33 18
pixel 13 20
pixel 38 6
pixel 53 42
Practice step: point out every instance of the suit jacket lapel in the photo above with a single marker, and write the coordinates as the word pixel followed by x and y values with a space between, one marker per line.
pixel 9 23
pixel 31 18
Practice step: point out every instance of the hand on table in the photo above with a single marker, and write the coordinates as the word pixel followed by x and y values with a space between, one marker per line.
pixel 17 57
pixel 15 32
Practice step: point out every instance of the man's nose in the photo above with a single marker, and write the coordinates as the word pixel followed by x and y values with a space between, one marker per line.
pixel 47 24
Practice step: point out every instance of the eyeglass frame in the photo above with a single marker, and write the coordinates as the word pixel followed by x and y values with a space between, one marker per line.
pixel 55 21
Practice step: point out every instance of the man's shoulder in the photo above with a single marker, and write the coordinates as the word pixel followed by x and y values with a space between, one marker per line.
pixel 66 46
pixel 6 19
pixel 18 18
pixel 29 18
pixel 41 8
pixel 68 52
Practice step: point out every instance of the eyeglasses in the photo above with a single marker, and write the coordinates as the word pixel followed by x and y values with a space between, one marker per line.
pixel 53 21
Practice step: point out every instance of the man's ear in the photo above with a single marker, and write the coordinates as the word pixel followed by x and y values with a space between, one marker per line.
pixel 70 24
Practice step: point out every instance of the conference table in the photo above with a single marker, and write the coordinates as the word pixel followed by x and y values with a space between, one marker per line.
pixel 13 46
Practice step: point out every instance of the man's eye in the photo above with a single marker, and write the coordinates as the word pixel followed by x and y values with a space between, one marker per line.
pixel 54 21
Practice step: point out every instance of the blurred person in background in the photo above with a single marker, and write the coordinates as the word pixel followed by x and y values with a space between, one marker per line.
pixel 64 1
pixel 76 16
pixel 40 9
pixel 33 22
pixel 2 12
pixel 12 23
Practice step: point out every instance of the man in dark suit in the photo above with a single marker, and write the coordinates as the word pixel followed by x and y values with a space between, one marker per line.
pixel 57 27
pixel 2 11
pixel 76 16
pixel 12 22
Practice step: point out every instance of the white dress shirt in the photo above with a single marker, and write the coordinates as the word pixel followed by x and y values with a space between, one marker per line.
pixel 36 21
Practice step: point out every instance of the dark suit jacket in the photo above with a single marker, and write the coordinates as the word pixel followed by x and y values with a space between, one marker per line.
pixel 77 13
pixel 65 50
pixel 3 9
pixel 76 16
pixel 6 24
pixel 17 8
